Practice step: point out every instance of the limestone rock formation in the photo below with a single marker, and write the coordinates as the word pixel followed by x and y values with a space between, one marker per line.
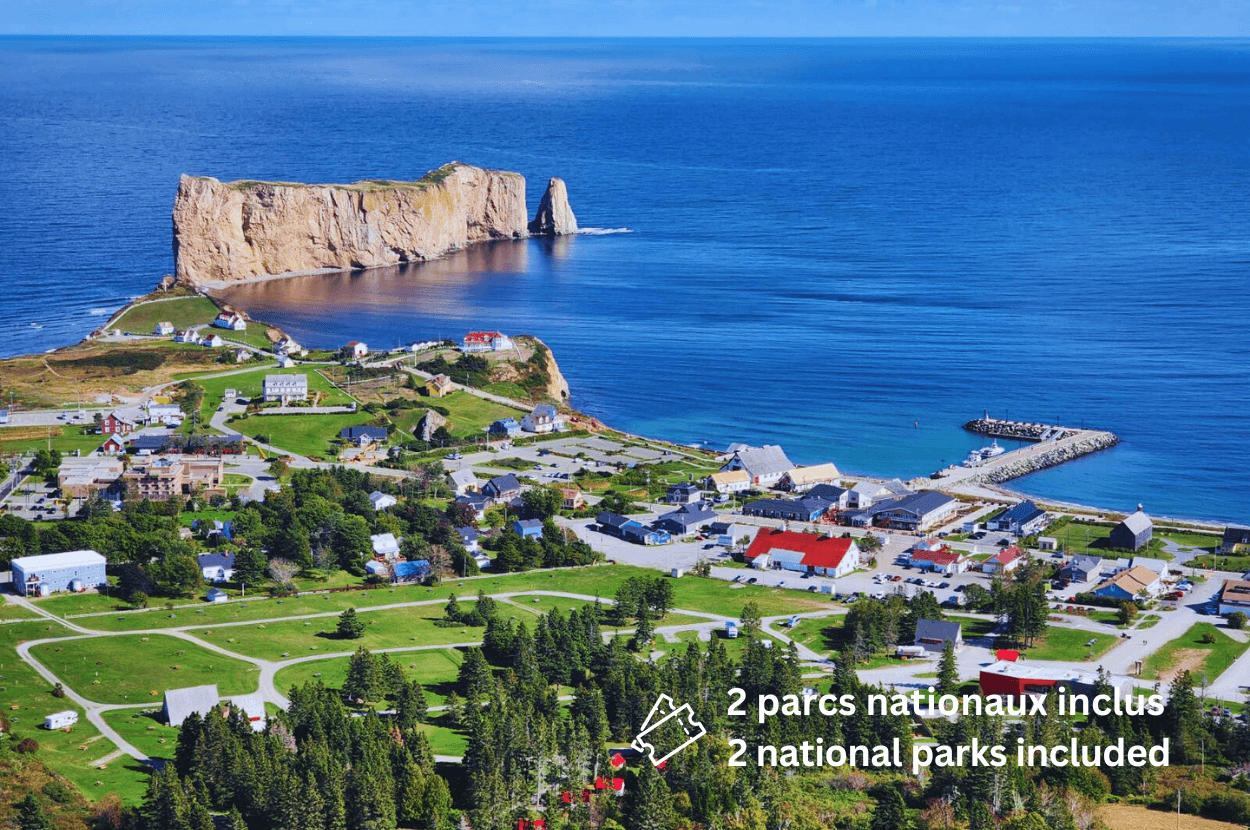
pixel 554 216
pixel 228 232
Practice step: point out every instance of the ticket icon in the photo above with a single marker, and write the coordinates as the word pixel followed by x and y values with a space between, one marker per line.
pixel 668 729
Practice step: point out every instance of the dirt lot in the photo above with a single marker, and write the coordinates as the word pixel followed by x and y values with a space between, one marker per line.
pixel 1187 659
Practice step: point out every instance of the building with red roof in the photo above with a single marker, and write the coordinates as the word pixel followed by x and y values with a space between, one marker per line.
pixel 486 341
pixel 803 552
pixel 1005 561
pixel 943 560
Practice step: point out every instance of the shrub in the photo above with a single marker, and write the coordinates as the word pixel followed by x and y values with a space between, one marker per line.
pixel 28 746
pixel 1237 620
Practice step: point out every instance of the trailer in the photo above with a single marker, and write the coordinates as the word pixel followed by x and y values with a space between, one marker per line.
pixel 60 720
pixel 731 629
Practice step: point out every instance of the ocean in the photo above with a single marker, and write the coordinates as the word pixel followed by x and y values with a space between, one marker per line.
pixel 848 247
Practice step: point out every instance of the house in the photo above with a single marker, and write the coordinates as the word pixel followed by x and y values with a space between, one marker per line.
pixel 1083 569
pixel 243 355
pixel 385 545
pixel 684 492
pixel 572 498
pixel 378 567
pixel 944 560
pixel 163 329
pixel 73 570
pixel 729 481
pixel 216 595
pixel 1047 543
pixel 531 528
pixel 355 350
pixel 1159 566
pixel 285 388
pixel 213 341
pixel 169 414
pixel 1023 519
pixel 469 538
pixel 60 720
pixel 363 436
pixel 794 510
pixel 803 552
pixel 502 488
pixel 686 519
pixel 230 320
pixel 381 501
pixel 864 494
pixel 1234 596
pixel 114 424
pixel 726 533
pixel 462 481
pixel 505 427
pixel 113 446
pixel 1004 562
pixel 801 479
pixel 439 386
pixel 1134 532
pixel 623 527
pixel 285 362
pixel 485 341
pixel 837 497
pixel 479 502
pixel 765 465
pixel 543 418
pixel 287 346
pixel 611 523
pixel 1236 540
pixel 919 511
pixel 1128 585
pixel 80 476
pixel 216 567
pixel 188 336
pixel 933 635
pixel 182 703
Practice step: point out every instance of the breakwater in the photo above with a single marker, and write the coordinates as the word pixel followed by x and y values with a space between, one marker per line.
pixel 1019 430
pixel 1032 459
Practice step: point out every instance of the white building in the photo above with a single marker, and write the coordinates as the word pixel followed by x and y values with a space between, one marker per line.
pixel 356 350
pixel 229 320
pixel 213 342
pixel 169 414
pixel 286 388
pixel 462 481
pixel 216 595
pixel 543 418
pixel 385 544
pixel 163 329
pixel 60 720
pixel 486 341
pixel 73 570
pixel 730 481
pixel 381 501
pixel 766 465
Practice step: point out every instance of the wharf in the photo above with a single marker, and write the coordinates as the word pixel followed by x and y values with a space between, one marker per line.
pixel 1053 445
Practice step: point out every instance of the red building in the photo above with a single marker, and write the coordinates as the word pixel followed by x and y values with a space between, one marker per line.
pixel 114 424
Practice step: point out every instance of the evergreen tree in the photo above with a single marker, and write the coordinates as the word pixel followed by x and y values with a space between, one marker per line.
pixel 31 815
pixel 650 805
pixel 644 633
pixel 349 626
pixel 948 672
pixel 364 678
pixel 891 811
pixel 249 566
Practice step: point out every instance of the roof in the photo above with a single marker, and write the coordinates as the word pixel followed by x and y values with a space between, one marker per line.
pixel 411 570
pixel 377 497
pixel 462 478
pixel 1235 590
pixel 1008 654
pixel 937 630
pixel 529 524
pixel 683 487
pixel 384 542
pixel 815 473
pixel 1133 581
pixel 356 433
pixel 923 503
pixel 1236 535
pixel 730 476
pixel 179 703
pixel 253 705
pixel 942 556
pixel 505 483
pixel 830 492
pixel 286 379
pixel 897 487
pixel 215 560
pixel 1007 555
pixel 1086 563
pixel 467 534
pixel 769 459
pixel 1025 511
pixel 544 410
pixel 1137 522
pixel 826 551
pixel 1027 671
pixel 612 519
pixel 481 336
pixel 67 559
pixel 1156 565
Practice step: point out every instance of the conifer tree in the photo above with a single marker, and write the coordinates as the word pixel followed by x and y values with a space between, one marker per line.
pixel 948 671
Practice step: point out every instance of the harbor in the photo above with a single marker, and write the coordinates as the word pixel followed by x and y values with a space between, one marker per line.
pixel 1051 446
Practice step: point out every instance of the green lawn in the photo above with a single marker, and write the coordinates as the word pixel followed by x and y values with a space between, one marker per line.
pixel 733 647
pixel 142 729
pixel 1082 538
pixel 183 312
pixel 138 669
pixel 1069 644
pixel 308 435
pixel 1188 651
pixel 63 438
pixel 88 603
pixel 249 384
pixel 444 738
pixel 436 669
pixel 1191 540
pixel 12 611
pixel 469 414
pixel 391 628
pixel 1220 563
pixel 69 753
pixel 254 336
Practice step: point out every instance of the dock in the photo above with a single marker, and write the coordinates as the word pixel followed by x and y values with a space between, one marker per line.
pixel 1051 446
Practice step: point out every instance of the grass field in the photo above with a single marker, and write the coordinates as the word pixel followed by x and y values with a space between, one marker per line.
pixel 141 728
pixel 250 383
pixel 183 312
pixel 1070 644
pixel 1077 537
pixel 436 669
pixel 469 414
pixel 26 698
pixel 444 738
pixel 308 435
pixel 12 611
pixel 87 603
pixel 1137 817
pixel 63 438
pixel 1189 652
pixel 138 669
pixel 1221 563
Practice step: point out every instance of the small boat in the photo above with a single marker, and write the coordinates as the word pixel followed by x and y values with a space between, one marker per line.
pixel 992 450
pixel 35 326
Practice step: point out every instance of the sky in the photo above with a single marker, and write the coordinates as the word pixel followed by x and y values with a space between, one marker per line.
pixel 632 18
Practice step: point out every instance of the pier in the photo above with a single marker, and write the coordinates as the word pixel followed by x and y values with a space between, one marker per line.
pixel 1052 445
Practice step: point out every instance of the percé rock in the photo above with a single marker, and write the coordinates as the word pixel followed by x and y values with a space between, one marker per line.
pixel 227 232
pixel 554 216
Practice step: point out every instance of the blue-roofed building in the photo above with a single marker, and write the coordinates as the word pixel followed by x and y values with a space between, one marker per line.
pixel 414 571
pixel 503 488
pixel 533 528
pixel 639 535
pixel 1023 519
pixel 363 436
pixel 505 428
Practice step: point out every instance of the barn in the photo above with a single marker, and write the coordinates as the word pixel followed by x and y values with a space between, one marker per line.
pixel 1133 533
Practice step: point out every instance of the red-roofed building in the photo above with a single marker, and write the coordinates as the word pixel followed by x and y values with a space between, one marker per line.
pixel 486 341
pixel 618 784
pixel 1008 654
pixel 944 560
pixel 1005 561
pixel 803 552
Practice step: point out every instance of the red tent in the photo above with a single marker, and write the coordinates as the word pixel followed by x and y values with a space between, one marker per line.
pixel 1008 654
pixel 618 760
pixel 601 783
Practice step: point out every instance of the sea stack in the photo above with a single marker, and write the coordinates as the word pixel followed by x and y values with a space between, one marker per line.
pixel 554 216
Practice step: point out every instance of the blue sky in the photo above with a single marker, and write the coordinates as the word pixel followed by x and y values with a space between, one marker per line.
pixel 631 18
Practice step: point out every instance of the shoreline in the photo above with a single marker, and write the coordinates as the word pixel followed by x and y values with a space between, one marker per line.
pixel 991 490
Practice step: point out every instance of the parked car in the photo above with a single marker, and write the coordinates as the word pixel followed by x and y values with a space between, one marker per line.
pixel 753 580
pixel 944 585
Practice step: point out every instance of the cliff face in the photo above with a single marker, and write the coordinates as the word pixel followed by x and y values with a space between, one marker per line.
pixel 555 215
pixel 227 232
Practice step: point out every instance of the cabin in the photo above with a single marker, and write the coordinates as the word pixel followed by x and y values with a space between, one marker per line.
pixel 114 424
pixel 381 501
pixel 933 635
pixel 355 350
pixel 363 436
pixel 439 386
pixel 163 329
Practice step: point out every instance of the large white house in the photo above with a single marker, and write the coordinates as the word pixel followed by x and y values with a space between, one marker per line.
pixel 486 341
pixel 230 320
pixel 286 388
pixel 765 465
pixel 543 418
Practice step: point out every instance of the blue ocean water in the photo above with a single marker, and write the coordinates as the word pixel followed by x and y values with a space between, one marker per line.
pixel 848 247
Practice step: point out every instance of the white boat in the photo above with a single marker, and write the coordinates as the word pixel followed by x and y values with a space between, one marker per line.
pixel 992 450
pixel 974 459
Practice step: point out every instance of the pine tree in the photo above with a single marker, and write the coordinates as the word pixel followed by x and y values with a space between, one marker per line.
pixel 650 805
pixel 349 626
pixel 363 681
pixel 890 812
pixel 411 706
pixel 948 672
pixel 31 815
pixel 644 633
